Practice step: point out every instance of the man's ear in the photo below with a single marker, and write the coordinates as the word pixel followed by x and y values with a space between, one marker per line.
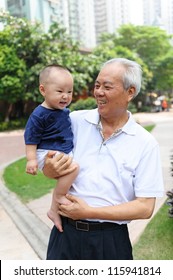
pixel 42 90
pixel 131 93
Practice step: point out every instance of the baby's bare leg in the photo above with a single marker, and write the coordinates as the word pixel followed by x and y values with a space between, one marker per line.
pixel 53 212
pixel 63 185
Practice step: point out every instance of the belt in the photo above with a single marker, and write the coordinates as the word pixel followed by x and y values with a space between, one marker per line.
pixel 91 226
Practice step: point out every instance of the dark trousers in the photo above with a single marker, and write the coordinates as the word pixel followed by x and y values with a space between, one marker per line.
pixel 100 244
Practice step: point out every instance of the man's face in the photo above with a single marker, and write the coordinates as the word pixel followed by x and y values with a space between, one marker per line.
pixel 112 99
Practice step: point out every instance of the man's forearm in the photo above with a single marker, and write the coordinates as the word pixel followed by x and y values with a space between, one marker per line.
pixel 141 208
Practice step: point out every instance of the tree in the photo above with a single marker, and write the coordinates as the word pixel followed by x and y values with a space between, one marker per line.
pixel 109 48
pixel 12 76
pixel 164 77
pixel 150 43
pixel 66 51
pixel 152 46
pixel 36 49
pixel 19 49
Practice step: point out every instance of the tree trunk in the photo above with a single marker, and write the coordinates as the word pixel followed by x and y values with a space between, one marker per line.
pixel 9 110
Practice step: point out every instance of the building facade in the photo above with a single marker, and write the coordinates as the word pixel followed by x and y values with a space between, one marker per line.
pixel 109 15
pixel 159 13
pixel 86 20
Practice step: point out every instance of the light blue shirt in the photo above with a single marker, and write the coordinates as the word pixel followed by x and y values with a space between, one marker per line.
pixel 125 166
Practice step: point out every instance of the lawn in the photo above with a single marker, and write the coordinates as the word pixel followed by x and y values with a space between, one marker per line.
pixel 156 242
pixel 26 186
pixel 149 127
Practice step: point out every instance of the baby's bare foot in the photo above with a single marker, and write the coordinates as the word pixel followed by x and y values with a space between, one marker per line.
pixel 56 219
pixel 63 200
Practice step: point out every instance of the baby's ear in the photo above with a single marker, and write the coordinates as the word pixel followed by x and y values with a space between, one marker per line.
pixel 42 90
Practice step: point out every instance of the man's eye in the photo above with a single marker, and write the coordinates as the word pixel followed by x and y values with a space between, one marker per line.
pixel 108 88
pixel 96 86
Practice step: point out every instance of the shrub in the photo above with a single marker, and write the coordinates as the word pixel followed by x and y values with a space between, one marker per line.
pixel 11 125
pixel 84 104
pixel 132 108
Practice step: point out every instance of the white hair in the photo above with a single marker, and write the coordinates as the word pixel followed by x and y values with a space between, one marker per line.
pixel 132 74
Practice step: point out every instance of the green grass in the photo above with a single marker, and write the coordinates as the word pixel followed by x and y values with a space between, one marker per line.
pixel 26 186
pixel 156 242
pixel 149 127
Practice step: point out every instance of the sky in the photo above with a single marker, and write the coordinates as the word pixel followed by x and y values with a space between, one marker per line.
pixel 136 12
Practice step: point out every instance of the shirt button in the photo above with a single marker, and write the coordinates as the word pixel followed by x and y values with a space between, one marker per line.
pixel 104 144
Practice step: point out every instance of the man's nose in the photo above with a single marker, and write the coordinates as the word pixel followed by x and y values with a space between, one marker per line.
pixel 99 91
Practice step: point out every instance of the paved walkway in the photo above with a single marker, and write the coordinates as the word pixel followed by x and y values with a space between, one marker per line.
pixel 25 229
pixel 163 132
pixel 13 244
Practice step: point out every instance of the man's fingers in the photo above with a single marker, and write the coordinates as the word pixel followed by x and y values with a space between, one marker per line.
pixel 71 197
pixel 62 213
pixel 66 171
pixel 65 161
pixel 57 166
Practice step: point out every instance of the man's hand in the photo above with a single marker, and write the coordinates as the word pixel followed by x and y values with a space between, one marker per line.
pixel 57 166
pixel 78 209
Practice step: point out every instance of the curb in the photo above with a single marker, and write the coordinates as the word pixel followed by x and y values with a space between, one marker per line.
pixel 33 229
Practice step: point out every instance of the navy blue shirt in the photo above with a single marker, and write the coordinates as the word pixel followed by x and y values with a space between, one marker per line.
pixel 49 129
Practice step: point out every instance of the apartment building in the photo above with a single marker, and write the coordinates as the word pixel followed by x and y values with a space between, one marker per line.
pixel 109 15
pixel 159 13
pixel 86 20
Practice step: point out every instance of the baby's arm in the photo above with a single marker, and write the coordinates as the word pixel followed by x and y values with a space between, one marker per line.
pixel 32 165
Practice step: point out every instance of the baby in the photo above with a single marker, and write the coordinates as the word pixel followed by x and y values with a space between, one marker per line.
pixel 49 128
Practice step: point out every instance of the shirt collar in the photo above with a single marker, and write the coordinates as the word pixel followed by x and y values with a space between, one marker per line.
pixel 92 117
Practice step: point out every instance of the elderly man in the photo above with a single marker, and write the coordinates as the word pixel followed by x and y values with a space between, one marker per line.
pixel 120 172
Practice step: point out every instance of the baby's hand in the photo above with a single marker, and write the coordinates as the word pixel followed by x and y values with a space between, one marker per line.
pixel 31 167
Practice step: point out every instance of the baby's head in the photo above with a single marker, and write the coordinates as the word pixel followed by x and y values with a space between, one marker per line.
pixel 56 86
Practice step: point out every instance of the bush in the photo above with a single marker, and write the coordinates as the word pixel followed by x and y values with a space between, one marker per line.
pixel 12 125
pixel 170 202
pixel 132 108
pixel 146 109
pixel 83 104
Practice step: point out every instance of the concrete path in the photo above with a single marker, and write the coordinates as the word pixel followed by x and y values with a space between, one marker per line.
pixel 163 132
pixel 25 229
pixel 13 244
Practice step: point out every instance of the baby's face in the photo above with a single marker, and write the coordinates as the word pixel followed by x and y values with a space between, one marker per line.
pixel 58 89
